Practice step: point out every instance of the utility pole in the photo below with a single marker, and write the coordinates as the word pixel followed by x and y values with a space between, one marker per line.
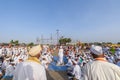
pixel 57 36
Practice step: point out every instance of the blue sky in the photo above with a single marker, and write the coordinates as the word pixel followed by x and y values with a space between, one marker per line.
pixel 85 20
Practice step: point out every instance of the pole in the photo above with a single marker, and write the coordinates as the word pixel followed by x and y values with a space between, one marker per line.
pixel 57 36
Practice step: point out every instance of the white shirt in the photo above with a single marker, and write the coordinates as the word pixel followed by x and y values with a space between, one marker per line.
pixel 5 64
pixel 69 63
pixel 44 64
pixel 77 71
pixel 60 52
pixel 101 70
pixel 29 71
pixel 9 70
pixel 0 52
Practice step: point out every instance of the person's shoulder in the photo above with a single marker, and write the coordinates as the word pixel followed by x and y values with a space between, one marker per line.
pixel 113 65
pixel 92 64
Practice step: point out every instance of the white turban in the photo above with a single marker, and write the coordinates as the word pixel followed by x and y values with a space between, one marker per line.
pixel 97 50
pixel 35 50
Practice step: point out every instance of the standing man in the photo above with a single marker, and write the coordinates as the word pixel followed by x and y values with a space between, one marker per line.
pixel 100 69
pixel 60 55
pixel 31 69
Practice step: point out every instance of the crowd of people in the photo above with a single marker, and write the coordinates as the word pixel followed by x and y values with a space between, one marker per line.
pixel 82 62
pixel 93 63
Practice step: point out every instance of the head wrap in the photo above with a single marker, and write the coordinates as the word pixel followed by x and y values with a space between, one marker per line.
pixel 97 50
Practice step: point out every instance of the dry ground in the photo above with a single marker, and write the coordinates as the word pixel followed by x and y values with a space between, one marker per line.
pixel 56 75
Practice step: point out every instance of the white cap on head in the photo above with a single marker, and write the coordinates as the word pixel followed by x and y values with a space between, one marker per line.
pixel 97 50
pixel 35 50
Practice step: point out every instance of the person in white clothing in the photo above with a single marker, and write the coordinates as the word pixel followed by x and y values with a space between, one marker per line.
pixel 76 71
pixel 0 52
pixel 9 72
pixel 5 64
pixel 60 55
pixel 118 59
pixel 45 63
pixel 31 69
pixel 69 63
pixel 100 69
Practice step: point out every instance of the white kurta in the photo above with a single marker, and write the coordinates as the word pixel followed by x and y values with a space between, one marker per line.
pixel 44 64
pixel 5 64
pixel 9 70
pixel 69 63
pixel 100 70
pixel 77 72
pixel 60 54
pixel 29 71
pixel 0 52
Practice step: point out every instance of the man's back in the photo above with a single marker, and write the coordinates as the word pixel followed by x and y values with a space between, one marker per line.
pixel 30 71
pixel 101 70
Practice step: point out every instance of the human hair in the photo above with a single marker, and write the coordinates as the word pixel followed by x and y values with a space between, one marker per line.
pixel 97 56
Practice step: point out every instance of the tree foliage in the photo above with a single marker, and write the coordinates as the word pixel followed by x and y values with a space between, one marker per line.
pixel 64 40
pixel 11 42
pixel 16 42
pixel 31 44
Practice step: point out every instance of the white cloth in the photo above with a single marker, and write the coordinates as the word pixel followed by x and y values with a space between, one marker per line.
pixel 50 57
pixel 77 72
pixel 96 50
pixel 0 52
pixel 117 54
pixel 9 70
pixel 29 71
pixel 69 63
pixel 46 58
pixel 100 70
pixel 16 59
pixel 5 64
pixel 44 64
pixel 60 55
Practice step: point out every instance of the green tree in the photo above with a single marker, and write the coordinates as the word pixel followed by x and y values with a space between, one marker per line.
pixel 64 40
pixel 68 40
pixel 11 42
pixel 109 42
pixel 31 44
pixel 16 42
